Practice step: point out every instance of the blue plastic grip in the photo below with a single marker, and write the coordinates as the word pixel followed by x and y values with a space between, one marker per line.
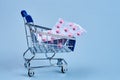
pixel 24 13
pixel 28 18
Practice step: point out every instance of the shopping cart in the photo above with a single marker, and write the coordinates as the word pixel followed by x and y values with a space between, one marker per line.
pixel 50 45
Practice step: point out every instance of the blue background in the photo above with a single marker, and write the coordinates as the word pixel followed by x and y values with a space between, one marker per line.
pixel 97 53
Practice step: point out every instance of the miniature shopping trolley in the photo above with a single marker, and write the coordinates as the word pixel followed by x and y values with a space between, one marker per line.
pixel 48 44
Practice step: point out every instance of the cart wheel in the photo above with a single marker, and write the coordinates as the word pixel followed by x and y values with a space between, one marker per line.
pixel 63 69
pixel 30 73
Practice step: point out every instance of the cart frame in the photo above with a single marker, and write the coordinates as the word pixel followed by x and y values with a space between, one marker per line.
pixel 30 29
